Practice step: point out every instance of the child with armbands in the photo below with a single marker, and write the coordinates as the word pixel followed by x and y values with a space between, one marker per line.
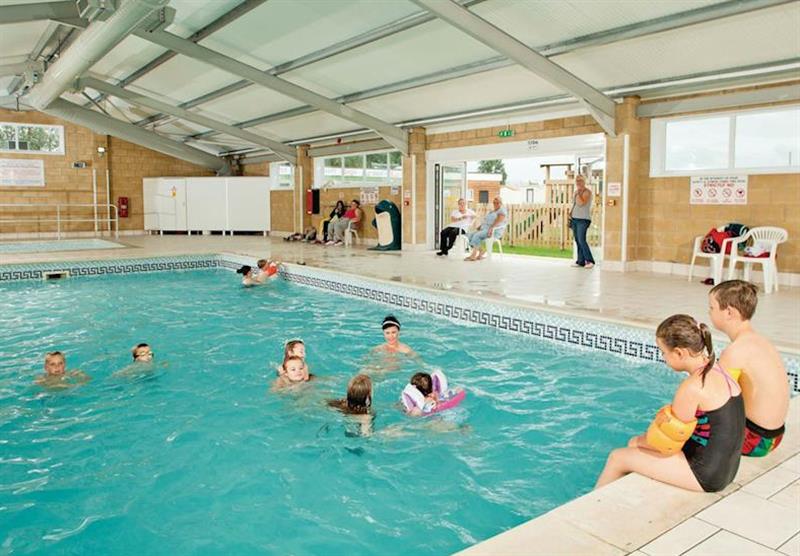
pixel 295 348
pixel 765 386
pixel 428 393
pixel 268 270
pixel 693 443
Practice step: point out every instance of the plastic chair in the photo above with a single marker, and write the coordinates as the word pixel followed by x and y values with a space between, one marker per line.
pixel 768 236
pixel 717 261
pixel 492 239
pixel 350 232
pixel 460 246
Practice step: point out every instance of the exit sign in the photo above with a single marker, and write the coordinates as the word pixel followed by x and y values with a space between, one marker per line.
pixel 505 133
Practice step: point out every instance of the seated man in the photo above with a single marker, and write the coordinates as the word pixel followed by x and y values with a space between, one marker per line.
pixel 351 217
pixel 460 221
pixel 493 225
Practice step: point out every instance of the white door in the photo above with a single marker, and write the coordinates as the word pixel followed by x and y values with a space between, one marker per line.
pixel 248 204
pixel 206 204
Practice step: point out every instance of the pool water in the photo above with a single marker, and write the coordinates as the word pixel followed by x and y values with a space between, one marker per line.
pixel 60 245
pixel 197 456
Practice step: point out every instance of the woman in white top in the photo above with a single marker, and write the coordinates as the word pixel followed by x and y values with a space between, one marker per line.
pixel 460 221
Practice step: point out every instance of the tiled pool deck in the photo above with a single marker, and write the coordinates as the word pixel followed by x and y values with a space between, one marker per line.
pixel 758 514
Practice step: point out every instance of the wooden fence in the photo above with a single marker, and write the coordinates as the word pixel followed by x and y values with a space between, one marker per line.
pixel 542 225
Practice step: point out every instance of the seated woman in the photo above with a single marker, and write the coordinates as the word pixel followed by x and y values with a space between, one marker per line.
pixel 352 217
pixel 326 230
pixel 493 225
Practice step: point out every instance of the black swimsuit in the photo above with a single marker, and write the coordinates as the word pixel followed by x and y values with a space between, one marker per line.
pixel 713 451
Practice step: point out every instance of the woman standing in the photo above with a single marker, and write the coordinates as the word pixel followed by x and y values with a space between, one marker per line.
pixel 580 219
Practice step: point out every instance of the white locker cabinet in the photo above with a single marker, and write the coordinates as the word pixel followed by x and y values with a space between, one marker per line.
pixel 164 204
pixel 206 202
pixel 248 204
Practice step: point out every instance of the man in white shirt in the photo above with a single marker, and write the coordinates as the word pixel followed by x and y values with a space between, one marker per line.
pixel 460 221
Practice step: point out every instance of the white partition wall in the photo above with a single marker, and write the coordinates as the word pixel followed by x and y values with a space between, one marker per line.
pixel 206 204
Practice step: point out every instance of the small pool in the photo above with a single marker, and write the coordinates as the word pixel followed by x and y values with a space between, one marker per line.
pixel 199 457
pixel 59 245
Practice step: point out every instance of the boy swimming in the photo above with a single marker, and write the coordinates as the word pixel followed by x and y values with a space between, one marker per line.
pixel 56 375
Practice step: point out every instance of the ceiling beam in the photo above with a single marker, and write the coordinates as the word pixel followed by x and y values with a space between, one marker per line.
pixel 245 7
pixel 602 108
pixel 335 49
pixel 106 125
pixel 394 135
pixel 92 44
pixel 279 148
pixel 608 36
pixel 786 93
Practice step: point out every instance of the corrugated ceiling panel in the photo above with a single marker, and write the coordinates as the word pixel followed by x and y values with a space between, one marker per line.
pixel 491 88
pixel 181 79
pixel 17 40
pixel 133 52
pixel 247 104
pixel 309 125
pixel 538 24
pixel 280 31
pixel 763 36
pixel 431 47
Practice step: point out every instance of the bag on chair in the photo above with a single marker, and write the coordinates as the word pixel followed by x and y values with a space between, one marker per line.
pixel 712 243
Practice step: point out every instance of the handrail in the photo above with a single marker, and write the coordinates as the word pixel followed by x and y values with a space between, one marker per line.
pixel 58 216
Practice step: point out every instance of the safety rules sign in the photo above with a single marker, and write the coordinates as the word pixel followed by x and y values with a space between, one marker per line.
pixel 718 190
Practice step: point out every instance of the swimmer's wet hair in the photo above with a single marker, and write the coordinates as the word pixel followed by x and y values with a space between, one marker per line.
pixel 261 263
pixel 741 295
pixel 51 354
pixel 359 396
pixel 244 270
pixel 423 382
pixel 390 320
pixel 136 347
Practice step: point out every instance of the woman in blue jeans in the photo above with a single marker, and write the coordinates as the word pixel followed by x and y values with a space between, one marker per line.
pixel 581 217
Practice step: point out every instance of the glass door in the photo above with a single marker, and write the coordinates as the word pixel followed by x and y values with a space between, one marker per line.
pixel 450 184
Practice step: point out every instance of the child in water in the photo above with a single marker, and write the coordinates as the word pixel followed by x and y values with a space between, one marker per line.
pixel 391 333
pixel 423 382
pixel 296 348
pixel 358 402
pixel 294 372
pixel 268 270
pixel 142 353
pixel 56 375
pixel 695 442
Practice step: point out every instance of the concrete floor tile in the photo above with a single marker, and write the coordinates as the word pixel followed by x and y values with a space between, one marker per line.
pixel 788 497
pixel 792 463
pixel 771 482
pixel 726 543
pixel 792 547
pixel 680 539
pixel 752 517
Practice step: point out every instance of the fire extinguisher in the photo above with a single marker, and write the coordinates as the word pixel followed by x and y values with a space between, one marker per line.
pixel 122 207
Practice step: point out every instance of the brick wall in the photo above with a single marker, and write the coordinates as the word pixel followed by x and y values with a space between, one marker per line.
pixel 127 163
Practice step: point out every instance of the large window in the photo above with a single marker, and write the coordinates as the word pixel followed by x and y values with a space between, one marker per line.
pixel 281 175
pixel 371 169
pixel 754 141
pixel 31 138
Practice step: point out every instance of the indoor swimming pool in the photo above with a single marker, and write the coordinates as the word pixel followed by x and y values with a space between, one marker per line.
pixel 196 455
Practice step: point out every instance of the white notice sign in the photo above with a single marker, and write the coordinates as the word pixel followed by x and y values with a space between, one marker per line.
pixel 718 190
pixel 21 172
pixel 614 189
pixel 369 195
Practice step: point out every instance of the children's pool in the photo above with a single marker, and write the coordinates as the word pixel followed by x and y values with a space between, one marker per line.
pixel 198 457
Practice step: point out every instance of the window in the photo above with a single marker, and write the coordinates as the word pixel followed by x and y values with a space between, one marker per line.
pixel 31 138
pixel 529 196
pixel 355 170
pixel 483 197
pixel 281 175
pixel 754 141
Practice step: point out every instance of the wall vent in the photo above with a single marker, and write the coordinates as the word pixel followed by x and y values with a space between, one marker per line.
pixel 55 274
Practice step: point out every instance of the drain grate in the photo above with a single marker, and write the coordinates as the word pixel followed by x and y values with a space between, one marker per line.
pixel 55 274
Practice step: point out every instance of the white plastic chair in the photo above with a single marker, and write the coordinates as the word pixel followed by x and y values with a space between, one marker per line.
pixel 349 233
pixel 768 236
pixel 460 246
pixel 491 240
pixel 717 261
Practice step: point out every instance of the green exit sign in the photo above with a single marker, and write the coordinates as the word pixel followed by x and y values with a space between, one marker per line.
pixel 505 133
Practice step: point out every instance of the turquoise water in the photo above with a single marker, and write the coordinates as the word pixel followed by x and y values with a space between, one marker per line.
pixel 60 245
pixel 197 456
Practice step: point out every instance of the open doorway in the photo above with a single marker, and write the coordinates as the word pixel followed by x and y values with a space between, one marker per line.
pixel 536 184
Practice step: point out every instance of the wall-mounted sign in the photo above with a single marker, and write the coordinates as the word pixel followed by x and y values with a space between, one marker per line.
pixel 21 172
pixel 614 189
pixel 369 195
pixel 533 144
pixel 505 133
pixel 718 190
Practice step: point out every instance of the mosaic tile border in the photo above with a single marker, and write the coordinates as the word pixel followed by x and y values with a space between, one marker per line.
pixel 102 268
pixel 629 342
pixel 578 332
